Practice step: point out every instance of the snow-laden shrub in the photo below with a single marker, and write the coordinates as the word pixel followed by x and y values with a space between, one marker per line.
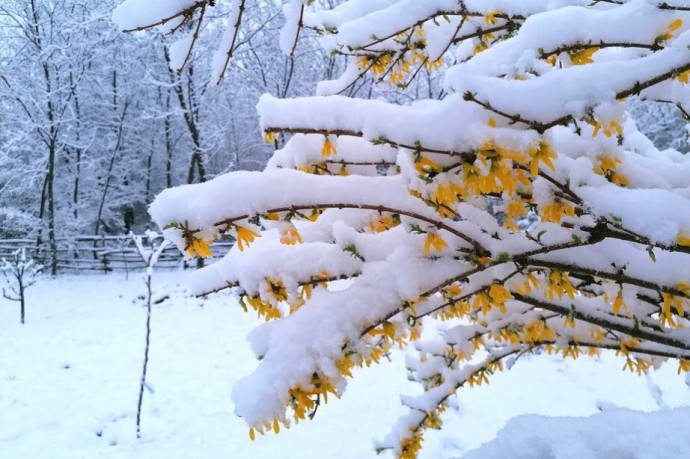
pixel 393 198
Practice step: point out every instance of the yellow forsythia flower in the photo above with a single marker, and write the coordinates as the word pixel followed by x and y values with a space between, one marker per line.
pixel 435 241
pixel 328 148
pixel 290 236
pixel 426 165
pixel 543 153
pixel 396 77
pixel 380 64
pixel 684 77
pixel 490 18
pixel 445 196
pixel 200 247
pixel 435 65
pixel 583 57
pixel 675 25
pixel 482 301
pixel 619 304
pixel 499 295
pixel 555 211
pixel 683 365
pixel 245 236
pixel 683 240
pixel 269 137
pixel 672 27
pixel 382 223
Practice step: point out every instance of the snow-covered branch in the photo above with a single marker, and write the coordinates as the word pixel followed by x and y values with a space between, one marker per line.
pixel 521 206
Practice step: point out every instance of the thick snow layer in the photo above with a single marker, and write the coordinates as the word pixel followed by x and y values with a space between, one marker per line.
pixel 634 22
pixel 451 124
pixel 558 94
pixel 615 433
pixel 659 215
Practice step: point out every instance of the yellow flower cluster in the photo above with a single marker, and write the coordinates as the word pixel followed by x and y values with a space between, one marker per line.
pixel 303 399
pixel 410 446
pixel 490 18
pixel 456 309
pixel 555 211
pixel 606 166
pixel 245 236
pixel 498 170
pixel 433 66
pixel 270 137
pixel 559 284
pixel 609 127
pixel 267 427
pixel 378 64
pixel 263 308
pixel 496 297
pixel 435 241
pixel 541 154
pixel 584 56
pixel 290 236
pixel 383 223
pixel 668 34
pixel 426 166
pixel 526 287
pixel 199 246
pixel 445 196
pixel 639 366
pixel 672 305
pixel 514 210
pixel 537 331
pixel 478 378
pixel 499 295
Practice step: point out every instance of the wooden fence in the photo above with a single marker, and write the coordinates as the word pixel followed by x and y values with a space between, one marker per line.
pixel 99 253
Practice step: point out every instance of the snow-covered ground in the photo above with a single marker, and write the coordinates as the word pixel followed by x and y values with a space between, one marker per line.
pixel 69 383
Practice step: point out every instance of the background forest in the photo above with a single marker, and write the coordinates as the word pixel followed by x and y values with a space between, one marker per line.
pixel 94 123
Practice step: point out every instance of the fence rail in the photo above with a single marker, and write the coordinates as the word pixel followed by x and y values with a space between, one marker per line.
pixel 99 253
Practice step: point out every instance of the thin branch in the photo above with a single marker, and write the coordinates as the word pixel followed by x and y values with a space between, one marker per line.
pixel 379 208
pixel 235 34
pixel 185 12
pixel 194 39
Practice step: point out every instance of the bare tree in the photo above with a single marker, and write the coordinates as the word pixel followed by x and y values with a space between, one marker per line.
pixel 150 256
pixel 20 274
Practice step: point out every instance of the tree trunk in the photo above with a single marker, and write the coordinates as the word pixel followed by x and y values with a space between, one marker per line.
pixel 21 302
pixel 190 114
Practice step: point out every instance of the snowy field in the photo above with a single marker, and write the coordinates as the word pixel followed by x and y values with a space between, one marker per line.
pixel 69 383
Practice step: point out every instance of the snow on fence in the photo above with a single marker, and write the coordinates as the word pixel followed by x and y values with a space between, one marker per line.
pixel 99 253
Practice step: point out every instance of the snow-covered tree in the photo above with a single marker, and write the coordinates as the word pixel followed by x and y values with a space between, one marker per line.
pixel 20 273
pixel 517 210
pixel 92 124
